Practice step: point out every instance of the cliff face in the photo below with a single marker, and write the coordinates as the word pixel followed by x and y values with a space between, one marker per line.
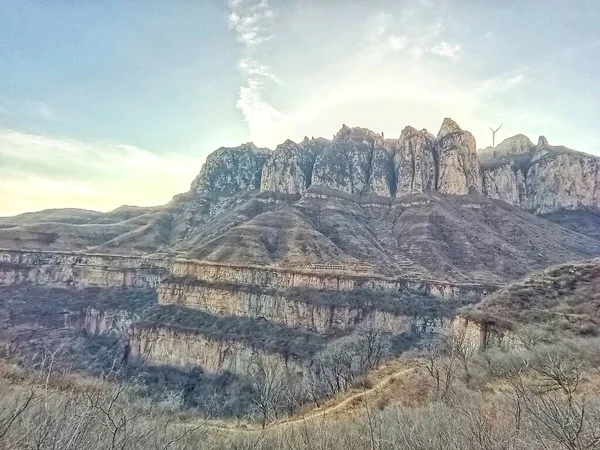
pixel 278 278
pixel 231 170
pixel 97 322
pixel 80 270
pixel 289 169
pixel 360 162
pixel 415 162
pixel 345 164
pixel 292 312
pixel 459 171
pixel 541 178
pixel 484 335
pixel 185 348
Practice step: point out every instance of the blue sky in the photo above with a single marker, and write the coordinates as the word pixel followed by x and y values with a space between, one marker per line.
pixel 109 102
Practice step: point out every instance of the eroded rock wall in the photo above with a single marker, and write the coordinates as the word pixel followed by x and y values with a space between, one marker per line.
pixel 484 335
pixel 289 311
pixel 541 178
pixel 186 348
pixel 80 270
pixel 270 277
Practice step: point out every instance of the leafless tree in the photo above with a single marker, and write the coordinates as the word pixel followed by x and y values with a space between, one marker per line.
pixel 268 383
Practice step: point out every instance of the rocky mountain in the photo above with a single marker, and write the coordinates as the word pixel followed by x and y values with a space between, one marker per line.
pixel 420 205
pixel 541 178
pixel 231 170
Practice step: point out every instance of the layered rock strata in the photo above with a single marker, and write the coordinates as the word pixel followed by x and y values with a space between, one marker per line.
pixel 184 347
pixel 484 335
pixel 291 310
pixel 280 278
pixel 79 269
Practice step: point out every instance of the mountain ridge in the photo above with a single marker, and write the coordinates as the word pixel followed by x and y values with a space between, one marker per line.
pixel 420 203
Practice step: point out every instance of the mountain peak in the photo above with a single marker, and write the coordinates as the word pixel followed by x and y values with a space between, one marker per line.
pixel 229 170
pixel 346 133
pixel 448 126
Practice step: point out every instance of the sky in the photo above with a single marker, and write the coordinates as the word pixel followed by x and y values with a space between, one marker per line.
pixel 109 102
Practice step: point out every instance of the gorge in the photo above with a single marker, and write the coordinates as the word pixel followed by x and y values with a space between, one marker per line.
pixel 317 239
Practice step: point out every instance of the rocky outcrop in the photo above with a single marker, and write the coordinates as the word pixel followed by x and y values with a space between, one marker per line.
pixel 97 322
pixel 186 348
pixel 484 335
pixel 459 171
pixel 415 162
pixel 228 171
pixel 541 178
pixel 79 269
pixel 290 310
pixel 289 169
pixel 282 278
pixel 383 178
pixel 345 164
pixel 516 145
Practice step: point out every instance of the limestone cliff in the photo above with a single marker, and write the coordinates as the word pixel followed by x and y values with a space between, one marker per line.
pixel 185 347
pixel 345 164
pixel 459 171
pixel 415 162
pixel 302 310
pixel 282 278
pixel 79 269
pixel 289 169
pixel 484 335
pixel 541 178
pixel 360 162
pixel 229 171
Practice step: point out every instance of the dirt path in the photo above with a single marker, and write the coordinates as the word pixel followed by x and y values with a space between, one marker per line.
pixel 321 413
pixel 347 401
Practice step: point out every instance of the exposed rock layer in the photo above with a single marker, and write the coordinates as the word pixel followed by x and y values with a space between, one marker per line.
pixel 80 270
pixel 289 310
pixel 178 347
pixel 541 178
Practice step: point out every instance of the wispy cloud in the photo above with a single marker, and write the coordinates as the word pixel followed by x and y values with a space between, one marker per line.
pixel 31 109
pixel 252 20
pixel 501 84
pixel 42 110
pixel 446 50
pixel 38 171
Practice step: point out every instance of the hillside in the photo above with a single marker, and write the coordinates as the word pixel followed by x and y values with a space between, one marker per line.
pixel 562 299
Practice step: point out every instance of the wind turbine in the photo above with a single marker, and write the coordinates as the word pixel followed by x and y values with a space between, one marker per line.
pixel 494 135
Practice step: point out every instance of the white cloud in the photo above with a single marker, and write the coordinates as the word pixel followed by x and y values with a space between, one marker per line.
pixel 251 21
pixel 377 27
pixel 398 43
pixel 39 172
pixel 446 50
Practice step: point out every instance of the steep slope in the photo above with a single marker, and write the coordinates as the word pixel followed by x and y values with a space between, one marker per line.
pixel 428 235
pixel 565 298
pixel 224 182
